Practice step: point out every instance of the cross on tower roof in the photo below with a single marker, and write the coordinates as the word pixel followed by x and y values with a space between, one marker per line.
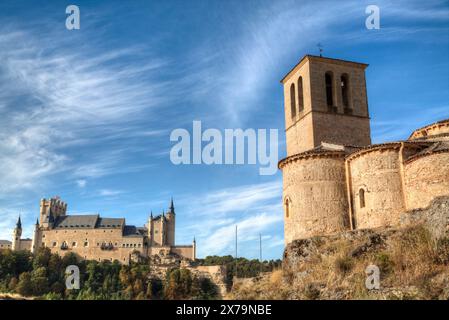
pixel 320 48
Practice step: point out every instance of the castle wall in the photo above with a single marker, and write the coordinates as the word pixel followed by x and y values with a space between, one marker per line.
pixel 426 178
pixel 122 246
pixel 25 244
pixel 183 251
pixel 378 173
pixel 315 187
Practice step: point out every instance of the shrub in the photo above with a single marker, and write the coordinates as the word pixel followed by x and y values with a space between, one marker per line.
pixel 344 264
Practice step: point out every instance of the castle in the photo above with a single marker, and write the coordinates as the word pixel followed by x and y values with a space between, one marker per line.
pixel 334 179
pixel 92 237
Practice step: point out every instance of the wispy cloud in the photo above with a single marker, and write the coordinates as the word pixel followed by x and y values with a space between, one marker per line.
pixel 393 129
pixel 254 208
pixel 67 98
pixel 81 183
pixel 109 192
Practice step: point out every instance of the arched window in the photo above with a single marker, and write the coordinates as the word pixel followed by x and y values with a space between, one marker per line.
pixel 362 198
pixel 344 82
pixel 329 79
pixel 300 95
pixel 287 204
pixel 292 101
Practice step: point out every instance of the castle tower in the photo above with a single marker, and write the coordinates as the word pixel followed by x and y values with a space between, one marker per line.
pixel 171 217
pixel 194 249
pixel 36 238
pixel 16 236
pixel 325 100
pixel 163 229
pixel 151 229
pixel 326 113
pixel 51 209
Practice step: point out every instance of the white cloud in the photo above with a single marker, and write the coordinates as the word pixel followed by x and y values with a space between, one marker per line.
pixel 109 192
pixel 81 183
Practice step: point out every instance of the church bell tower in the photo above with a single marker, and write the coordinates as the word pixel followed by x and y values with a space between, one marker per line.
pixel 325 100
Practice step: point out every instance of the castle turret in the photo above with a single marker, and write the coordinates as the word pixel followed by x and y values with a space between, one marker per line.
pixel 170 226
pixel 151 229
pixel 163 231
pixel 36 238
pixel 194 249
pixel 17 234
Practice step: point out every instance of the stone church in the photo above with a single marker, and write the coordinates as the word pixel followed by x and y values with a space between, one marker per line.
pixel 334 179
pixel 93 237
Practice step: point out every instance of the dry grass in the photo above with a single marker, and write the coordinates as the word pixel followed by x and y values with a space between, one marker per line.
pixel 412 266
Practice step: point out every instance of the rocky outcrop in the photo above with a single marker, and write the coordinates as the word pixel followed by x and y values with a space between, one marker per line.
pixel 413 260
pixel 435 218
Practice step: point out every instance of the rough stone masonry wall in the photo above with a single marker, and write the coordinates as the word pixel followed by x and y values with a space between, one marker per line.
pixel 340 128
pixel 425 179
pixel 316 189
pixel 378 173
pixel 299 130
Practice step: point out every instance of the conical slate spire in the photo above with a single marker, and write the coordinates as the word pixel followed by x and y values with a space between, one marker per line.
pixel 37 221
pixel 172 207
pixel 19 223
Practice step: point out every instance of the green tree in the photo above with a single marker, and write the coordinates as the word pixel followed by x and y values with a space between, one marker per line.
pixel 24 286
pixel 39 281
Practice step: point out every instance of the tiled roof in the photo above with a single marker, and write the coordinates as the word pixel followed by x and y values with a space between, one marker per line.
pixel 5 242
pixel 110 222
pixel 133 231
pixel 436 147
pixel 76 221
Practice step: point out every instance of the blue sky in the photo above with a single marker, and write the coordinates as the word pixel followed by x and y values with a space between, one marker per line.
pixel 87 114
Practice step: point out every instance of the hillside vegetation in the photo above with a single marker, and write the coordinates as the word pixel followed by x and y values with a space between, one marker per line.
pixel 413 261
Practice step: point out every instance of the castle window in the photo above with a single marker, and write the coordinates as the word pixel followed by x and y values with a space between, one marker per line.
pixel 329 79
pixel 54 244
pixel 73 244
pixel 344 81
pixel 287 205
pixel 292 101
pixel 300 95
pixel 86 244
pixel 362 198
